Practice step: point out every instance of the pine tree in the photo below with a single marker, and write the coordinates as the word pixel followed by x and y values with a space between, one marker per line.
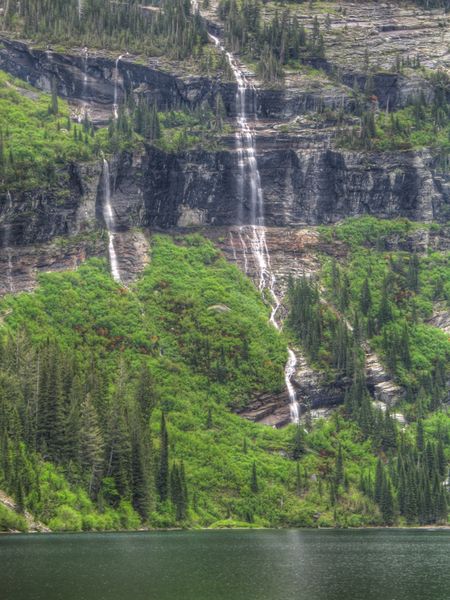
pixel 299 443
pixel 91 446
pixel 146 395
pixel 387 502
pixel 420 436
pixel 163 472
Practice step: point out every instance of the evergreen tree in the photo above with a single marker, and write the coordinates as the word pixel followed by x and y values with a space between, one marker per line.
pixel 163 472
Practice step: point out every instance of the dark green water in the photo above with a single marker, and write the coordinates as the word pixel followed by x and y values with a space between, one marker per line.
pixel 228 565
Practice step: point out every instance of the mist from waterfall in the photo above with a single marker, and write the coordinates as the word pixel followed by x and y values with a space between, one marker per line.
pixel 108 216
pixel 249 186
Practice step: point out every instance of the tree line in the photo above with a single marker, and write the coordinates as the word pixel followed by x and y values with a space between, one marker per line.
pixel 52 408
pixel 273 43
pixel 170 27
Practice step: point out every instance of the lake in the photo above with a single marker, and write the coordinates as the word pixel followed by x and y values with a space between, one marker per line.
pixel 228 565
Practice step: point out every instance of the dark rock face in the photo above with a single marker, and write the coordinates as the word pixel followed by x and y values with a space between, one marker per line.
pixel 93 79
pixel 300 186
pixel 65 209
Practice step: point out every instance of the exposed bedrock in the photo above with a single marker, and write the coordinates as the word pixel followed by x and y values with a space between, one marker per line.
pixel 308 186
pixel 64 208
pixel 199 187
pixel 93 77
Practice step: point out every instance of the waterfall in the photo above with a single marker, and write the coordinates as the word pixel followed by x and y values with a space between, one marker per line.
pixel 80 9
pixel 289 372
pixel 249 187
pixel 85 80
pixel 116 85
pixel 108 216
pixel 230 235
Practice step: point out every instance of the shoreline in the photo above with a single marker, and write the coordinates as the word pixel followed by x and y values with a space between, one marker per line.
pixel 204 529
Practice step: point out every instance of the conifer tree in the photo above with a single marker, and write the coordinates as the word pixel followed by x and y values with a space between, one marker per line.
pixel 163 471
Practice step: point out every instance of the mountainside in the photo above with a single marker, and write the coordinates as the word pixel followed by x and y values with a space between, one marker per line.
pixel 148 381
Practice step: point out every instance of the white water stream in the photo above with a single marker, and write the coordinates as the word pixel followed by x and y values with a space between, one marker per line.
pixel 108 216
pixel 85 106
pixel 254 231
pixel 116 86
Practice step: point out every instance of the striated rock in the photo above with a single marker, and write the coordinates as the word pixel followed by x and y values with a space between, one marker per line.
pixel 21 266
pixel 300 187
pixel 67 208
pixel 441 317
pixel 268 409
pixel 314 391
pixel 384 388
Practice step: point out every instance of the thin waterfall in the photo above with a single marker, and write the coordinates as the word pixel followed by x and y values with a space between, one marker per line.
pixel 108 216
pixel 85 81
pixel 244 250
pixel 255 230
pixel 230 235
pixel 116 87
pixel 289 372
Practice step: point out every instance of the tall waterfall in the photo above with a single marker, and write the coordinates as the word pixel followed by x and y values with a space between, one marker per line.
pixel 85 106
pixel 116 87
pixel 254 229
pixel 108 216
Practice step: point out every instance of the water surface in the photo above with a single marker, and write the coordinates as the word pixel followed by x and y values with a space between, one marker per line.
pixel 228 565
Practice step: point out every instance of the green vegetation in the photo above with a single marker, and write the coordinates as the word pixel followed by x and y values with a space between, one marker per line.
pixel 39 140
pixel 115 410
pixel 34 141
pixel 389 295
pixel 423 123
pixel 11 521
pixel 384 298
pixel 276 43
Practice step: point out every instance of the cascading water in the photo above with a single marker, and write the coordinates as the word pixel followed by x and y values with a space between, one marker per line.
pixel 116 87
pixel 255 230
pixel 85 108
pixel 108 216
pixel 289 373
